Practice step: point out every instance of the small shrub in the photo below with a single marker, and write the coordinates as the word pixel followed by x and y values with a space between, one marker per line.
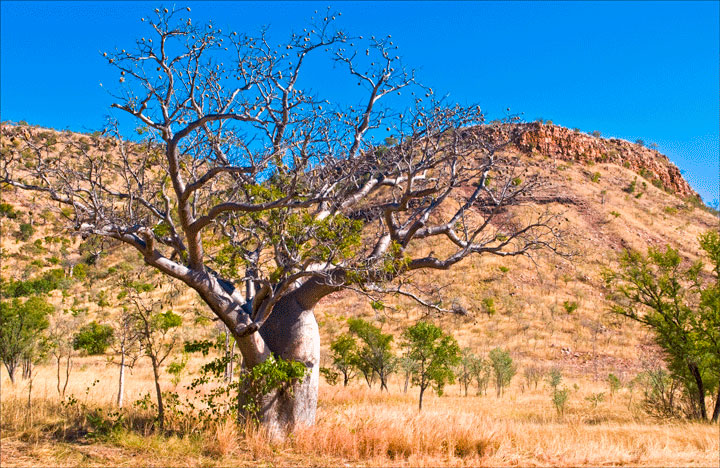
pixel 596 133
pixel 93 338
pixel 614 384
pixel 595 177
pixel 631 188
pixel 559 399
pixel 26 231
pixel 615 214
pixel 7 211
pixel 489 305
pixel 570 306
pixel 595 399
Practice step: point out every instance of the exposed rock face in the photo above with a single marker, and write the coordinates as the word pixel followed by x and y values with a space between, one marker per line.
pixel 564 143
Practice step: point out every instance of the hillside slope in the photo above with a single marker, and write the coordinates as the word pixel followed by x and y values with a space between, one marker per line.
pixel 612 193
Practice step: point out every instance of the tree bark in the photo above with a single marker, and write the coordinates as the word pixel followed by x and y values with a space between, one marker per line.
pixel 121 383
pixel 68 366
pixel 291 332
pixel 716 410
pixel 695 371
pixel 161 407
pixel 9 365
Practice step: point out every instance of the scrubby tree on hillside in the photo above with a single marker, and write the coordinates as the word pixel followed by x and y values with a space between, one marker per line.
pixel 248 176
pixel 682 307
pixel 435 354
pixel 22 324
pixel 127 345
pixel 374 356
pixel 93 338
pixel 503 369
pixel 60 339
pixel 157 331
pixel 345 356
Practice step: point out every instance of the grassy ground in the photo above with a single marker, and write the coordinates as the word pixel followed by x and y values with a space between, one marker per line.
pixel 355 426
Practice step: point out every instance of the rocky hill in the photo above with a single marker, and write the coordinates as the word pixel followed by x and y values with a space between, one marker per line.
pixel 550 309
pixel 572 145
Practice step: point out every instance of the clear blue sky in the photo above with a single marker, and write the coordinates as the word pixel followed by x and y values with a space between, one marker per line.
pixel 631 70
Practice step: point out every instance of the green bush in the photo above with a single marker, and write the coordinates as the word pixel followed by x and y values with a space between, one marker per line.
pixel 26 231
pixel 93 338
pixel 49 281
pixel 7 211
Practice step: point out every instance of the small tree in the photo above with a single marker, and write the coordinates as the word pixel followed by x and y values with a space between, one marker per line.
pixel 60 338
pixel 614 383
pixel 435 354
pixel 127 345
pixel 559 396
pixel 375 356
pixel 93 338
pixel 503 369
pixel 464 370
pixel 21 330
pixel 156 330
pixel 345 356
pixel 681 309
pixel 533 375
pixel 408 367
pixel 481 372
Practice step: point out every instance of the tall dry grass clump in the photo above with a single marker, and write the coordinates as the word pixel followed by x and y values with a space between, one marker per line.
pixel 222 439
pixel 393 434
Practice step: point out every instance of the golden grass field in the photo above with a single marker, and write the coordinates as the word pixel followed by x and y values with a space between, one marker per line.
pixel 357 426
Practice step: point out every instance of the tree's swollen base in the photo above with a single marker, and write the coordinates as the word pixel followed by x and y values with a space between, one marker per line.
pixel 292 332
pixel 285 410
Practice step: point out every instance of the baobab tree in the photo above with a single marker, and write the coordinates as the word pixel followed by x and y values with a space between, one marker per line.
pixel 263 197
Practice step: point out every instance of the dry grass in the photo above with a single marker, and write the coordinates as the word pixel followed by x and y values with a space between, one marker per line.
pixel 355 426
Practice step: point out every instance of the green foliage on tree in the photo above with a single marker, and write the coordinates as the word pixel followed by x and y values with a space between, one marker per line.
pixel 344 355
pixel 93 338
pixel 503 369
pixel 435 354
pixel 272 374
pixel 374 355
pixel 21 330
pixel 48 281
pixel 480 369
pixel 682 307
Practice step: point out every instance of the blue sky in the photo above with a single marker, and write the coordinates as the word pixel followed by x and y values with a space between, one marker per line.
pixel 631 70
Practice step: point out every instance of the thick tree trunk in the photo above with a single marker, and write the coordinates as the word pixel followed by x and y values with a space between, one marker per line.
pixel 291 332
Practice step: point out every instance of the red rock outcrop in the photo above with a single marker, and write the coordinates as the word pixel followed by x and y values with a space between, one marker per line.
pixel 571 145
